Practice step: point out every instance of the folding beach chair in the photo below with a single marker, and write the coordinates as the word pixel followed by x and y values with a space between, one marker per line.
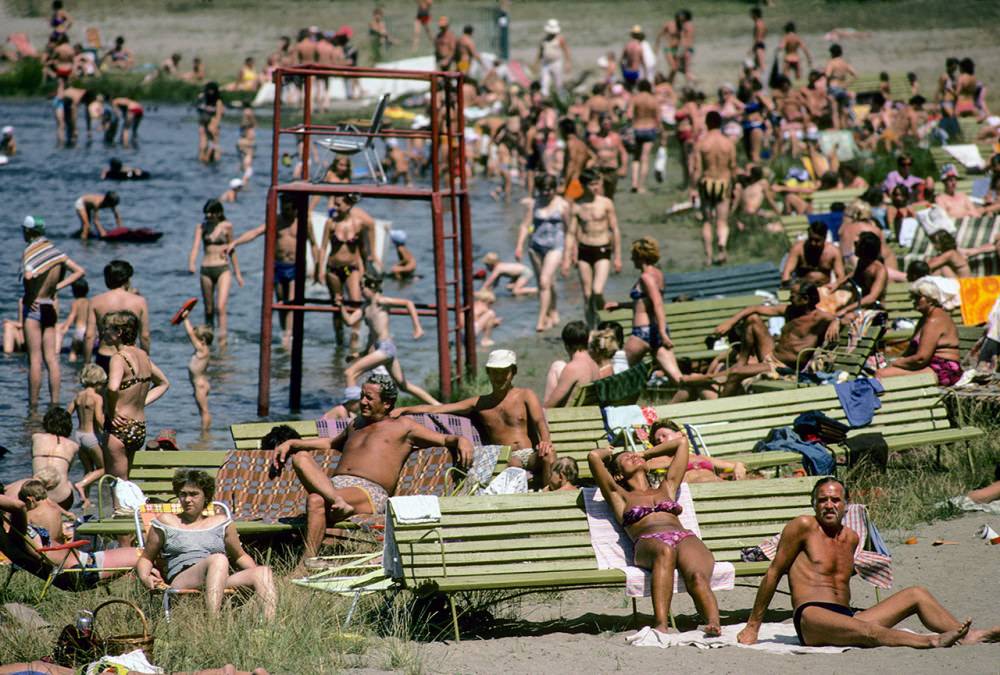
pixel 361 142
pixel 143 519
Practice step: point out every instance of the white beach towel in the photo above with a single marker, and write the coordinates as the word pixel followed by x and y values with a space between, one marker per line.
pixel 907 231
pixel 966 154
pixel 965 504
pixel 776 638
pixel 614 550
pixel 934 219
pixel 416 508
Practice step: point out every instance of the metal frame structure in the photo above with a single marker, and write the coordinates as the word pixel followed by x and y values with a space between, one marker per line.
pixel 448 191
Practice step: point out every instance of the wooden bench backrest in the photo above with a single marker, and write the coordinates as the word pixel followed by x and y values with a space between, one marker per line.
pixel 247 435
pixel 732 426
pixel 542 539
pixel 152 470
pixel 868 83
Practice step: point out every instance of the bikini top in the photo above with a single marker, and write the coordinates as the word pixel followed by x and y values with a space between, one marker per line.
pixel 637 513
pixel 134 380
pixel 704 464
pixel 637 293
pixel 208 239
pixel 336 242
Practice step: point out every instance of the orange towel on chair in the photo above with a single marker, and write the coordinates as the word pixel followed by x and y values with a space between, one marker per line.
pixel 978 296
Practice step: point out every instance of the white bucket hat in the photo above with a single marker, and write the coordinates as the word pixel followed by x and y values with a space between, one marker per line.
pixel 552 27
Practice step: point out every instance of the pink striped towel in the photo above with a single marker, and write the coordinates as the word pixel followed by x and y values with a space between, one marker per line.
pixel 613 547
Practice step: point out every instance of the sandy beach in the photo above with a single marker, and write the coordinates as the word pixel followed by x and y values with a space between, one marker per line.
pixel 585 631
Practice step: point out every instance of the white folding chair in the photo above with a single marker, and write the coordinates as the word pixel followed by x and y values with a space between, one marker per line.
pixel 361 144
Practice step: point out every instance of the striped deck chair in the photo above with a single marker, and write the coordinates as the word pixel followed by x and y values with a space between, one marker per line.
pixel 972 232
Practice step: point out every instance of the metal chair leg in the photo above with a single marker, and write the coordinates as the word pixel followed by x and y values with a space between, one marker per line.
pixel 350 612
pixel 166 606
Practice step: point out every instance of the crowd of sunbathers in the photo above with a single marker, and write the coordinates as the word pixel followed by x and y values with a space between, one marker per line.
pixel 569 167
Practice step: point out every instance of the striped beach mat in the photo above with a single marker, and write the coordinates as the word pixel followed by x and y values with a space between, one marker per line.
pixel 972 232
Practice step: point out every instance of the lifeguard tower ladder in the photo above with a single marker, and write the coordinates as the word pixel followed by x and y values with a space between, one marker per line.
pixel 447 194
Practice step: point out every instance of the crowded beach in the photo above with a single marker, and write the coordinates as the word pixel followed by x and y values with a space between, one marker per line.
pixel 661 412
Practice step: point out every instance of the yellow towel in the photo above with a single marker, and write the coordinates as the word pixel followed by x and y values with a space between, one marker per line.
pixel 978 296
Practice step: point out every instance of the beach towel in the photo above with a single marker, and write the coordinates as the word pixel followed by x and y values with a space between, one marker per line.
pixel 965 504
pixel 979 295
pixel 859 399
pixel 776 638
pixel 843 140
pixel 872 559
pixel 39 257
pixel 614 549
pixel 935 219
pixel 967 155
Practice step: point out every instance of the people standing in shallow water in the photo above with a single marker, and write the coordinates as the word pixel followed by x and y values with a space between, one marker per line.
pixel 44 273
pixel 215 233
pixel 544 229
pixel 134 382
pixel 88 209
pixel 210 110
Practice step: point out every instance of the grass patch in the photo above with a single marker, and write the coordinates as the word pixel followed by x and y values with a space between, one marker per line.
pixel 909 492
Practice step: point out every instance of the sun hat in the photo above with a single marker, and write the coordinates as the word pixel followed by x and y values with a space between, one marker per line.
pixel 552 27
pixel 501 358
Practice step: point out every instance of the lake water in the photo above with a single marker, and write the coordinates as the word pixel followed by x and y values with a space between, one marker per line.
pixel 45 180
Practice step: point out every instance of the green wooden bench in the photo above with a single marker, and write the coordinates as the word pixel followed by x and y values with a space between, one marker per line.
pixel 868 83
pixel 851 361
pixel 152 471
pixel 912 415
pixel 247 435
pixel 690 322
pixel 587 394
pixel 539 541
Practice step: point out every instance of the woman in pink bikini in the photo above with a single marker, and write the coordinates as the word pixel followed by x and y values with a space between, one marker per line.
pixel 934 345
pixel 650 516
pixel 700 468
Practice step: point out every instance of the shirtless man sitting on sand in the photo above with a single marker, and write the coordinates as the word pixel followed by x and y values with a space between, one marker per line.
pixel 509 415
pixel 817 554
pixel 805 327
pixel 373 448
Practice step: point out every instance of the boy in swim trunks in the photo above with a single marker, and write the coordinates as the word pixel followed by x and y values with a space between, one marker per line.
pixel 373 448
pixel 88 405
pixel 77 319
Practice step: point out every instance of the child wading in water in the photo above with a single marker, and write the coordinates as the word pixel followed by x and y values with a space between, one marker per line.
pixel 201 339
pixel 88 405
pixel 520 275
pixel 77 319
pixel 381 348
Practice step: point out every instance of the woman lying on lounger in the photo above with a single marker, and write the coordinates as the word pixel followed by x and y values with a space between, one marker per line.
pixel 934 345
pixel 197 549
pixel 649 515
pixel 700 468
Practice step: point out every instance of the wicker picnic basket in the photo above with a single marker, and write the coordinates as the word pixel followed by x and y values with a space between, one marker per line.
pixel 121 644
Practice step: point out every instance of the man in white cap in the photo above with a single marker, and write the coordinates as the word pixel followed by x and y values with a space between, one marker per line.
pixel 508 415
pixel 43 270
pixel 553 58
pixel 235 185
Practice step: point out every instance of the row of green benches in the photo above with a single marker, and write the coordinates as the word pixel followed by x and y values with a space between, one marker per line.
pixel 912 415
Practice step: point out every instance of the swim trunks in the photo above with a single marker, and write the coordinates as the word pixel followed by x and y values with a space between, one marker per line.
pixel 387 347
pixel 591 254
pixel 630 76
pixel 284 271
pixel 712 191
pixel 648 335
pixel 87 440
pixel 831 606
pixel 377 496
pixel 44 312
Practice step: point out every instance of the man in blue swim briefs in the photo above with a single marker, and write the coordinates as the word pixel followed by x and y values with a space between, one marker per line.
pixel 817 554
pixel 284 256
pixel 372 449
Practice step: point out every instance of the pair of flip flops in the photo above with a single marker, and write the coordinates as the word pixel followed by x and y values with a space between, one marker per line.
pixel 186 307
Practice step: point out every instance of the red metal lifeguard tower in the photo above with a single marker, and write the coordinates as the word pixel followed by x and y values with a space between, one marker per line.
pixel 452 263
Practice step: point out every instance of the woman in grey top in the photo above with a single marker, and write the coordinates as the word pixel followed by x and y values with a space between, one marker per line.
pixel 197 549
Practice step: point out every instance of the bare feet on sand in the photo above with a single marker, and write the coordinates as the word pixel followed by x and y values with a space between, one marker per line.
pixel 951 638
pixel 712 630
